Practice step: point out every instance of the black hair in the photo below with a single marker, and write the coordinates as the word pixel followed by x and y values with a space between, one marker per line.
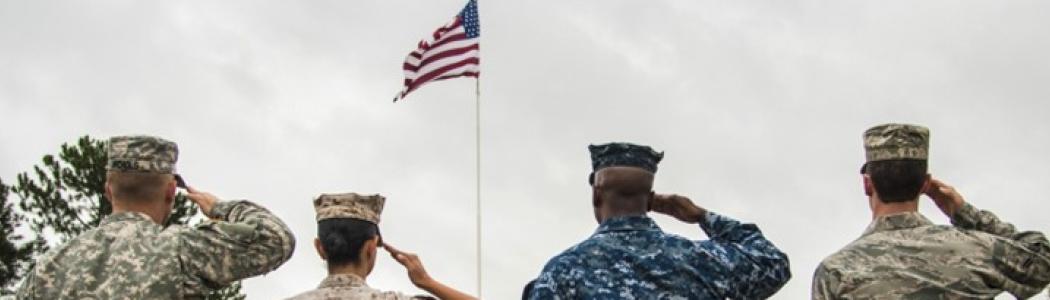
pixel 897 180
pixel 343 239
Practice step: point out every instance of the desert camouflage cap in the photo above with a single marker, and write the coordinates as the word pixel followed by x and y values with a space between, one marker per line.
pixel 896 141
pixel 349 205
pixel 142 153
pixel 623 155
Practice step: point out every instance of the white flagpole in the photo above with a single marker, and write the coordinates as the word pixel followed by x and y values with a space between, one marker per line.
pixel 477 174
pixel 477 164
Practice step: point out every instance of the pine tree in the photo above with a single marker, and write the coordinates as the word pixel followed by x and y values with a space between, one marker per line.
pixel 66 196
pixel 16 253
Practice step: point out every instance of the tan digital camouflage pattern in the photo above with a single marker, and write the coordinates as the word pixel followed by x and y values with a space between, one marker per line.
pixel 896 141
pixel 141 153
pixel 130 257
pixel 349 205
pixel 905 256
pixel 350 287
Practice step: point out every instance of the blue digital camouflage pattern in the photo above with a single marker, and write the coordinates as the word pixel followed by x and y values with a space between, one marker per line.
pixel 623 154
pixel 632 258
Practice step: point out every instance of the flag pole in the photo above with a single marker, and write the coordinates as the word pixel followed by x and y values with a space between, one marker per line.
pixel 477 172
pixel 477 164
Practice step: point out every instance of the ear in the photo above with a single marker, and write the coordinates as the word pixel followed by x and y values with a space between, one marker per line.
pixel 320 249
pixel 649 201
pixel 169 195
pixel 596 199
pixel 371 247
pixel 869 186
pixel 926 184
pixel 109 192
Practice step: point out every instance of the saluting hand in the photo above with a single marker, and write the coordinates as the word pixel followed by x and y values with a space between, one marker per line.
pixel 416 273
pixel 945 196
pixel 677 206
pixel 204 200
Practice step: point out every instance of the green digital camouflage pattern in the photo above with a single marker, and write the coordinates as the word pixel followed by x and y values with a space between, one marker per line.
pixel 905 256
pixel 141 153
pixel 128 256
pixel 349 205
pixel 350 287
pixel 896 141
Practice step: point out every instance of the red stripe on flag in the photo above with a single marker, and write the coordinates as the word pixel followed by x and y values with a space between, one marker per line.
pixel 421 80
pixel 452 50
pixel 441 55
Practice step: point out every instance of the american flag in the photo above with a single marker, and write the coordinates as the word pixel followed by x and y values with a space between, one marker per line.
pixel 452 51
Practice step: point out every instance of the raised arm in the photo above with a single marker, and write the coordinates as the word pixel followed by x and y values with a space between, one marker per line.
pixel 1023 258
pixel 421 279
pixel 755 268
pixel 758 268
pixel 242 240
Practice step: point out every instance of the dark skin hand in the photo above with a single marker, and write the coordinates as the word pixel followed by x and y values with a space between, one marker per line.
pixel 677 206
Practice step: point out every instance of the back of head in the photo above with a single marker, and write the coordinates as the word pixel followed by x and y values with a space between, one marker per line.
pixel 138 186
pixel 140 168
pixel 343 239
pixel 622 176
pixel 896 160
pixel 897 180
pixel 625 187
pixel 345 223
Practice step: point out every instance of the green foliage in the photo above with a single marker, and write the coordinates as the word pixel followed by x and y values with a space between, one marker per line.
pixel 66 196
pixel 16 253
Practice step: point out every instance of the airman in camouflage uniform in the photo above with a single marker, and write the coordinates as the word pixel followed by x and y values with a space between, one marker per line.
pixel 348 236
pixel 902 255
pixel 131 256
pixel 630 257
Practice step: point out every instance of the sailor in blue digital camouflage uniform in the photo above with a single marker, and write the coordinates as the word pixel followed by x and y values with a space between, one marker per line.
pixel 629 257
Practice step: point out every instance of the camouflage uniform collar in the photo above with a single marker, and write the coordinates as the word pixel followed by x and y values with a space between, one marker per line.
pixel 628 223
pixel 342 280
pixel 904 220
pixel 133 216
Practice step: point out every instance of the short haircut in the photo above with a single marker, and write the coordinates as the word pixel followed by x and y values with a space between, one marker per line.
pixel 343 239
pixel 625 189
pixel 138 186
pixel 897 180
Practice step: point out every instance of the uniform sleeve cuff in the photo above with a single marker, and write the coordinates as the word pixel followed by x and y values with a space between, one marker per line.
pixel 222 209
pixel 709 220
pixel 966 216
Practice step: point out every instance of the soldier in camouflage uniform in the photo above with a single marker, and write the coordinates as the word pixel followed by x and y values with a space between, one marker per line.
pixel 348 239
pixel 902 255
pixel 630 257
pixel 130 255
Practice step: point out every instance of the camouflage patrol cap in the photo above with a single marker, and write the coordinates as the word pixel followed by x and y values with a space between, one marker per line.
pixel 349 205
pixel 623 155
pixel 896 141
pixel 141 153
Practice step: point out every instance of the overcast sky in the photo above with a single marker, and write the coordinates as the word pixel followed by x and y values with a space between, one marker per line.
pixel 759 107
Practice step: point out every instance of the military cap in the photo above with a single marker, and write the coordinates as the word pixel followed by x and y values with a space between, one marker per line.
pixel 896 142
pixel 623 155
pixel 349 205
pixel 141 153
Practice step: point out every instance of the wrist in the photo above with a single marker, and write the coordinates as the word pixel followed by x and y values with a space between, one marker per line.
pixel 426 283
pixel 697 216
pixel 702 215
pixel 218 210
